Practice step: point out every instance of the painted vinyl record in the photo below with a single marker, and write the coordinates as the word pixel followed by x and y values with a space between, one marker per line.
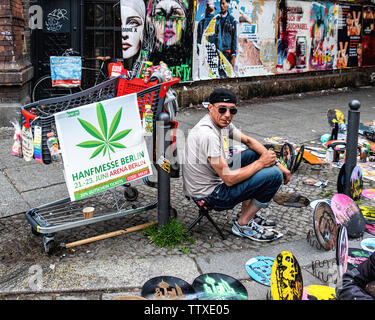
pixel 369 194
pixel 342 249
pixel 325 226
pixel 368 244
pixel 341 179
pixel 356 183
pixel 287 155
pixel 343 207
pixel 368 213
pixel 259 268
pixel 317 292
pixel 298 159
pixel 356 257
pixel 218 286
pixel 348 214
pixel 167 288
pixel 291 200
pixel 370 228
pixel 286 278
pixel 314 203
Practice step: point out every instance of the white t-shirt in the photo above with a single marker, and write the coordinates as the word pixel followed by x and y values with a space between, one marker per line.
pixel 205 140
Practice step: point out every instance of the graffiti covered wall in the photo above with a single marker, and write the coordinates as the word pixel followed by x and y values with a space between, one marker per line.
pixel 158 30
pixel 213 39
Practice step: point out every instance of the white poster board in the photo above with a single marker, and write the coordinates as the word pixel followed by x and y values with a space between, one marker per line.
pixel 102 146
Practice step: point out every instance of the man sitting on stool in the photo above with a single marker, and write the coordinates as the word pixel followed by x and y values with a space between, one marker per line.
pixel 251 177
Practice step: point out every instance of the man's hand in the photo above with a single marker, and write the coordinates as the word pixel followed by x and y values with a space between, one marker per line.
pixel 286 173
pixel 267 158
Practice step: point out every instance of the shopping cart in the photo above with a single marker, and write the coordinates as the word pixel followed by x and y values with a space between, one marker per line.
pixel 64 214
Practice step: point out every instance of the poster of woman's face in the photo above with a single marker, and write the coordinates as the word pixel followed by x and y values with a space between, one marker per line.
pixel 169 20
pixel 132 25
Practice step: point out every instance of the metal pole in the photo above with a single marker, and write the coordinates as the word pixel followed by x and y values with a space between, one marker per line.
pixel 163 168
pixel 351 142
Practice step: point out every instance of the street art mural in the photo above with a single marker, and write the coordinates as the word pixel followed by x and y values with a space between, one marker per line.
pixel 293 45
pixel 323 36
pixel 158 30
pixel 133 19
pixel 234 38
pixel 170 33
pixel 257 52
pixel 349 47
pixel 213 39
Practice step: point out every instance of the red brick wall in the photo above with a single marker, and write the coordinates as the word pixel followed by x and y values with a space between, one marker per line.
pixel 15 67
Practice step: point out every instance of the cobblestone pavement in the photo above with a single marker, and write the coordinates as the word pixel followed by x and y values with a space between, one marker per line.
pixel 19 245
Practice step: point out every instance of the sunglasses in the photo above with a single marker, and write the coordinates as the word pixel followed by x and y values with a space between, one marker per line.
pixel 223 110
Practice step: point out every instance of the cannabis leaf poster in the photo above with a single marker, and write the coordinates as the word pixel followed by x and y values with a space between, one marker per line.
pixel 102 145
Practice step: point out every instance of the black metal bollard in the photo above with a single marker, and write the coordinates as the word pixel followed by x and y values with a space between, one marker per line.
pixel 351 142
pixel 163 168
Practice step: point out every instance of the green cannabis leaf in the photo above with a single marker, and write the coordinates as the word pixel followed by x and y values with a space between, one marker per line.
pixel 107 139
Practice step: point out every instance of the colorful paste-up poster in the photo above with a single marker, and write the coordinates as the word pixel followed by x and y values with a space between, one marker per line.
pixel 256 54
pixel 204 67
pixel 368 36
pixel 215 39
pixel 349 48
pixel 323 36
pixel 293 44
pixel 234 38
pixel 169 32
pixel 102 146
pixel 133 19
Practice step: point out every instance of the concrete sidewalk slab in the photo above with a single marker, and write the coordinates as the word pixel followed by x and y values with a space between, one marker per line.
pixel 103 273
pixel 11 201
pixel 35 176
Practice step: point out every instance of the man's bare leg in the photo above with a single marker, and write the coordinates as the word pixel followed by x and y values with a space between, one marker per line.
pixel 248 211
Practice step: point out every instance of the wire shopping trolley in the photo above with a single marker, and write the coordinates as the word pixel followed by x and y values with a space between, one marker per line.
pixel 63 214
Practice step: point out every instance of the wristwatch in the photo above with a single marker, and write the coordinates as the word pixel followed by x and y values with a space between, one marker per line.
pixel 277 162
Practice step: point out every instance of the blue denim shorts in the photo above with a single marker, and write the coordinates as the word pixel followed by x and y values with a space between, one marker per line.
pixel 260 187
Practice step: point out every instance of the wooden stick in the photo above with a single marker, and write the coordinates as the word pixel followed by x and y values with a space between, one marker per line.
pixel 109 235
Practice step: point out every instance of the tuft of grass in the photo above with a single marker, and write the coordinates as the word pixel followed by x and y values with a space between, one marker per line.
pixel 170 235
pixel 326 194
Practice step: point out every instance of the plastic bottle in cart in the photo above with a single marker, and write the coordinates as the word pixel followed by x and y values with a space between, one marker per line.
pixel 53 146
pixel 166 73
pixel 148 118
